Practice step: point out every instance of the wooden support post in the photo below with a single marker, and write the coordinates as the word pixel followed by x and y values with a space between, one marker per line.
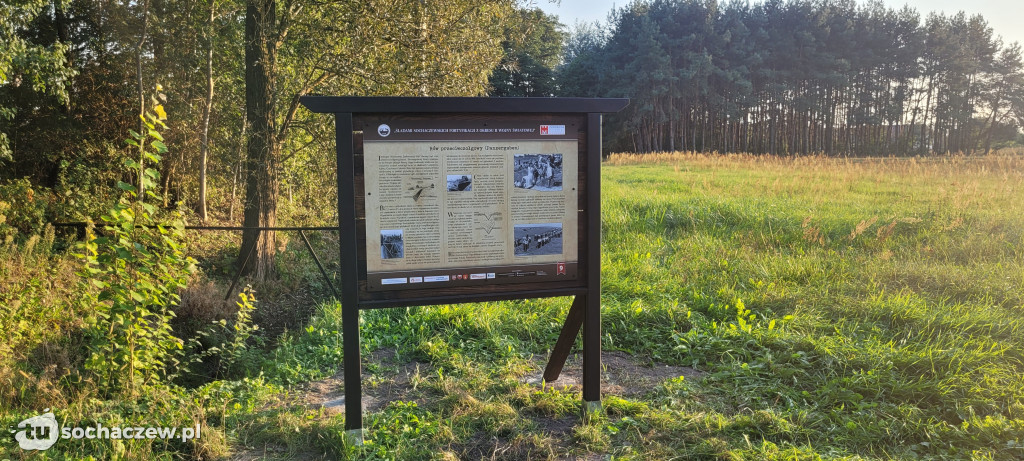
pixel 571 327
pixel 349 271
pixel 592 316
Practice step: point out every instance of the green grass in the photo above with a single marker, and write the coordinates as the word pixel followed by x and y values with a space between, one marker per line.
pixel 898 288
pixel 840 310
pixel 850 310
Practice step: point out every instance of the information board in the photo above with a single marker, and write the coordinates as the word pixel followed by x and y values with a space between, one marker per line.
pixel 460 203
pixel 452 200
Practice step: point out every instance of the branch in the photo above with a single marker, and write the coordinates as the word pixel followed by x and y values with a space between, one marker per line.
pixel 296 151
pixel 293 107
pixel 290 11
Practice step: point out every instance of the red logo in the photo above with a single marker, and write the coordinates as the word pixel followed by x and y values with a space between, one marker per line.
pixel 543 129
pixel 560 268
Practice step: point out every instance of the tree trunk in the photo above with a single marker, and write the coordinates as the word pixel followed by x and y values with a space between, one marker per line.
pixel 991 128
pixel 204 148
pixel 262 153
pixel 239 160
pixel 141 90
pixel 671 135
pixel 926 139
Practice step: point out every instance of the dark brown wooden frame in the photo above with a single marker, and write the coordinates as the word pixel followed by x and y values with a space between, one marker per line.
pixel 350 114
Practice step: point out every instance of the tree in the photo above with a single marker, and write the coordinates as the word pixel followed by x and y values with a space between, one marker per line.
pixel 370 48
pixel 204 152
pixel 41 67
pixel 532 50
pixel 263 37
pixel 1003 90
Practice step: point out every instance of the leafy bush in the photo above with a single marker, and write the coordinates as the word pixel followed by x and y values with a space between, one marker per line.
pixel 23 209
pixel 82 189
pixel 228 340
pixel 138 265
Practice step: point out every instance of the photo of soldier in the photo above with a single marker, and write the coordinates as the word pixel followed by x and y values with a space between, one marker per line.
pixel 537 239
pixel 541 172
pixel 391 244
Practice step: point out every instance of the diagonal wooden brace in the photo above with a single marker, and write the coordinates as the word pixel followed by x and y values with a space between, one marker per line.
pixel 571 328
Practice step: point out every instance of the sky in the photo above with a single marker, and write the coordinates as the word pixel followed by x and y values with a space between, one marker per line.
pixel 1006 17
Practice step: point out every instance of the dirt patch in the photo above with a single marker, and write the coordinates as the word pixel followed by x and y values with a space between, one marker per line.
pixel 588 457
pixel 560 428
pixel 388 378
pixel 273 452
pixel 491 447
pixel 396 380
pixel 621 374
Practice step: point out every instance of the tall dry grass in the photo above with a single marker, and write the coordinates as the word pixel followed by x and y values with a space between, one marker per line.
pixel 958 182
pixel 1008 162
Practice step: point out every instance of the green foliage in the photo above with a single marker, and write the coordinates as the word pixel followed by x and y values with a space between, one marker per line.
pixel 22 209
pixel 533 48
pixel 35 288
pixel 241 331
pixel 27 208
pixel 131 279
pixel 82 189
pixel 402 430
pixel 231 344
pixel 44 69
pixel 313 352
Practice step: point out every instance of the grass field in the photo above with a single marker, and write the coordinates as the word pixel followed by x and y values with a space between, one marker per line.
pixel 837 309
pixel 896 287
pixel 829 308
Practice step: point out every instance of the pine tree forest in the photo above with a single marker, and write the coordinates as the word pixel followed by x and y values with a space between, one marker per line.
pixel 833 77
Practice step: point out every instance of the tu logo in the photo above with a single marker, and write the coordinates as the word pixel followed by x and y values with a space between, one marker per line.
pixel 38 432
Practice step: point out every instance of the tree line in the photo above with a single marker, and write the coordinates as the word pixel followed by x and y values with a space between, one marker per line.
pixel 835 77
pixel 76 74
pixel 779 77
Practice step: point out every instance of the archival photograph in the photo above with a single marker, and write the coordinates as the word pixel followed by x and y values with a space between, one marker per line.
pixel 460 182
pixel 538 239
pixel 538 171
pixel 391 244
